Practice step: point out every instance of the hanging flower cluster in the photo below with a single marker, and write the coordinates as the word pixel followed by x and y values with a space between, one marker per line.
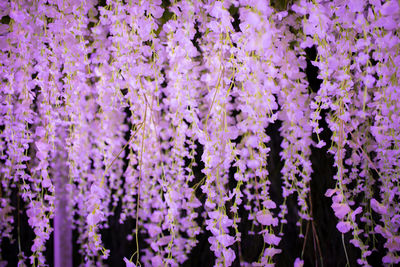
pixel 119 102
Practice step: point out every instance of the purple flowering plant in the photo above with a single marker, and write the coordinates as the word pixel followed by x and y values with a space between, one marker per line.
pixel 161 111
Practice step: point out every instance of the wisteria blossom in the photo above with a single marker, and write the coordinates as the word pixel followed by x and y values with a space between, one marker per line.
pixel 160 113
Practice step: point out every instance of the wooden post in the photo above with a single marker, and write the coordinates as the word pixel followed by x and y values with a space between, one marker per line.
pixel 62 219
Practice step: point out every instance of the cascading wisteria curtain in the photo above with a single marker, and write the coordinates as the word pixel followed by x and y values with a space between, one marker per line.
pixel 112 102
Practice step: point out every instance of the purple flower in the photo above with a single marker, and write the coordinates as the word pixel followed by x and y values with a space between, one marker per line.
pixel 298 263
pixel 271 239
pixel 129 263
pixel 377 207
pixel 226 240
pixel 341 209
pixel 266 218
pixel 95 218
pixel 344 227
